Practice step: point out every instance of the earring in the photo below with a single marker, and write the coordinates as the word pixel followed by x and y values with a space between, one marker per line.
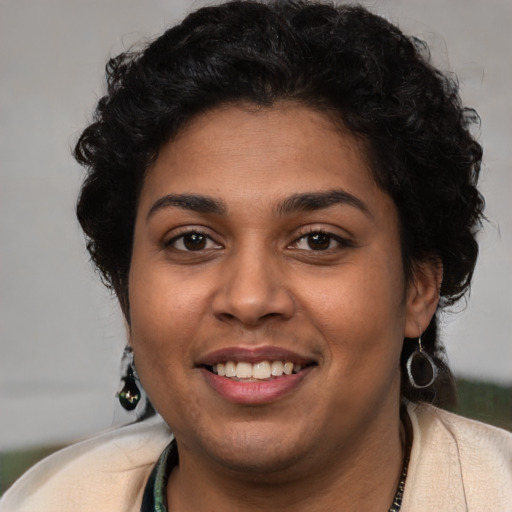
pixel 421 369
pixel 129 396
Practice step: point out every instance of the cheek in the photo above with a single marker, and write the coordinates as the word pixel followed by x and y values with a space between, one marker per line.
pixel 164 299
pixel 365 296
pixel 163 319
pixel 162 336
pixel 360 311
pixel 163 323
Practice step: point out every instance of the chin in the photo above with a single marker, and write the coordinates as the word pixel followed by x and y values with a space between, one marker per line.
pixel 261 452
pixel 262 464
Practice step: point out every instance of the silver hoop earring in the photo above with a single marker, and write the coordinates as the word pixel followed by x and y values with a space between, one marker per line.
pixel 421 369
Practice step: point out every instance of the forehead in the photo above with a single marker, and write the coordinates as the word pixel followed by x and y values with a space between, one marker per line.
pixel 242 153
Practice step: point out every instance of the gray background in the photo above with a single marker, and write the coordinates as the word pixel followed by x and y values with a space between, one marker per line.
pixel 61 334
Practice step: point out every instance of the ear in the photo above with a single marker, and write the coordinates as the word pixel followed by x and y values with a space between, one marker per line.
pixel 422 297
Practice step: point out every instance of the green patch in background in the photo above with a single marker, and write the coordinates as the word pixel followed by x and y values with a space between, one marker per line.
pixel 483 401
pixel 486 402
pixel 14 463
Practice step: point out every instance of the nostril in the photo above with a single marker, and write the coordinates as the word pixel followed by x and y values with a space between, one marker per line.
pixel 272 315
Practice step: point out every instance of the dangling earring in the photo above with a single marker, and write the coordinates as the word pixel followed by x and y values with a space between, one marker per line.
pixel 129 396
pixel 421 369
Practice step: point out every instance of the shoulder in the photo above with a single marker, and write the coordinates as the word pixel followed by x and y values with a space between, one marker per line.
pixel 107 472
pixel 475 441
pixel 458 459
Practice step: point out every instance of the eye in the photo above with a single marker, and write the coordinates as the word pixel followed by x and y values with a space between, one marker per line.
pixel 320 241
pixel 192 241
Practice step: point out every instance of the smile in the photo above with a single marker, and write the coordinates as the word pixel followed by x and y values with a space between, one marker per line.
pixel 262 370
pixel 255 376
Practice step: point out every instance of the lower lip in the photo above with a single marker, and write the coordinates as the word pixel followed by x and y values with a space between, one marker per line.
pixel 255 393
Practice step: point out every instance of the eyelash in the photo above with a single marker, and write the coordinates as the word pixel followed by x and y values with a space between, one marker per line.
pixel 330 237
pixel 192 232
pixel 341 241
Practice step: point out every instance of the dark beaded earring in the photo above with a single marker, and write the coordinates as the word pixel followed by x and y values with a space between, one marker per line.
pixel 130 395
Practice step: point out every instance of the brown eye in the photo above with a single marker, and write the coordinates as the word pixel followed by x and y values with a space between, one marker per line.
pixel 319 241
pixel 194 241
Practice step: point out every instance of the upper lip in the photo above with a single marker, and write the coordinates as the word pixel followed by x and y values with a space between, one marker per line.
pixel 253 355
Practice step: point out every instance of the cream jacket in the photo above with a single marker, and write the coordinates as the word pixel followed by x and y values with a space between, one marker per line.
pixel 456 465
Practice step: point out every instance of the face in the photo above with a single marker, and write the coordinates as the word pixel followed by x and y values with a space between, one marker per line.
pixel 267 297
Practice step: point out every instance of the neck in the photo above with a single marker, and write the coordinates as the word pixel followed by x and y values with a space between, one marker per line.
pixel 360 475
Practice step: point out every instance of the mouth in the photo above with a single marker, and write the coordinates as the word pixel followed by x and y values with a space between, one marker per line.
pixel 255 375
pixel 253 372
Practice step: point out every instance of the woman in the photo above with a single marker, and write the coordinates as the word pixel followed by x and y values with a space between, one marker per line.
pixel 283 197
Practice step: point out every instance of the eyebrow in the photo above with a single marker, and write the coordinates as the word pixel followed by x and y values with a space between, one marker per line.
pixel 193 202
pixel 306 202
pixel 311 201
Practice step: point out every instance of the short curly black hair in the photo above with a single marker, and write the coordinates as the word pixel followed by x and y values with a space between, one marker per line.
pixel 344 60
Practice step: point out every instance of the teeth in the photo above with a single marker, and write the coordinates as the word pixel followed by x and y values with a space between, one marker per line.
pixel 230 369
pixel 277 368
pixel 244 370
pixel 262 370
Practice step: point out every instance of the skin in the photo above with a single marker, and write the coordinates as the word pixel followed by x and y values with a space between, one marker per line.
pixel 257 282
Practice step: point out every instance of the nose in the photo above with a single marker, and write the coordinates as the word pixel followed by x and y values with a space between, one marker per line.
pixel 252 290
